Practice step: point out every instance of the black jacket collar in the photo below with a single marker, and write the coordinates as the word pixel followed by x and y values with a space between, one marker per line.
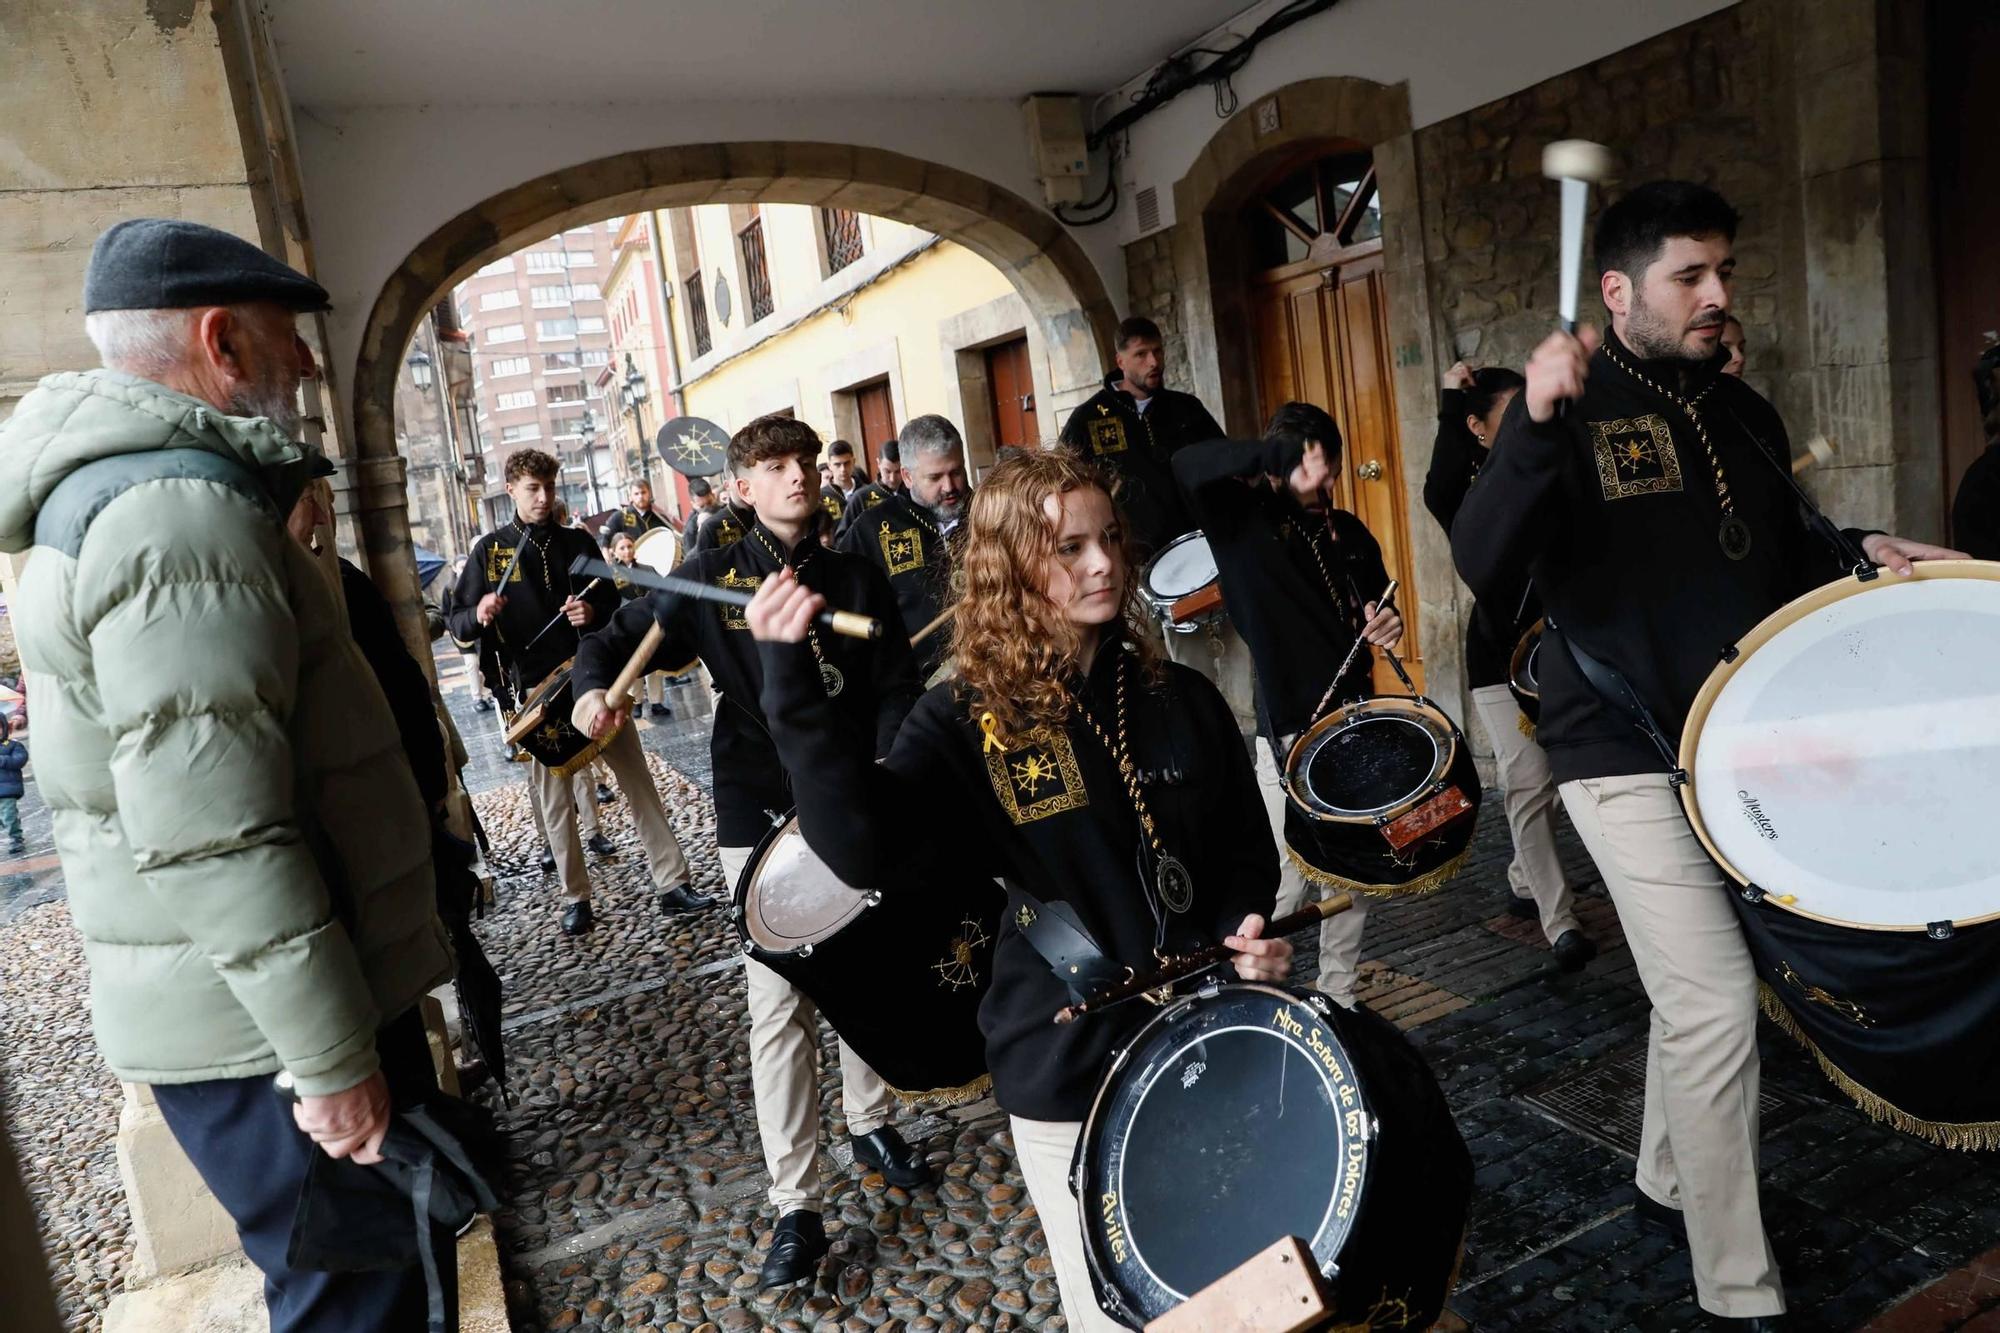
pixel 767 547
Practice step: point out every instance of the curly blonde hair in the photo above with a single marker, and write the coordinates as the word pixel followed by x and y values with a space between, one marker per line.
pixel 1014 649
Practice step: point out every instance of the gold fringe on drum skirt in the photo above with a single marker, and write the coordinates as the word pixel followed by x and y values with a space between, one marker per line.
pixel 1973 1135
pixel 938 1099
pixel 1428 882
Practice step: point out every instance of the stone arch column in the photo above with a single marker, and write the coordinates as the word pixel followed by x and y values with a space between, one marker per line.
pixel 1314 117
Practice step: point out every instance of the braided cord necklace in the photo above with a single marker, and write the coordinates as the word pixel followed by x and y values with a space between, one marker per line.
pixel 830 678
pixel 1171 879
pixel 1734 534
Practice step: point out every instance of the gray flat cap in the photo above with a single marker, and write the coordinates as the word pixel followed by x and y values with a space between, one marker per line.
pixel 166 264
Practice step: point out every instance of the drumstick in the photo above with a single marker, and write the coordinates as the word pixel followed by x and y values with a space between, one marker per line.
pixel 560 614
pixel 1576 163
pixel 636 667
pixel 851 623
pixel 931 628
pixel 1819 449
pixel 1179 967
pixel 1383 603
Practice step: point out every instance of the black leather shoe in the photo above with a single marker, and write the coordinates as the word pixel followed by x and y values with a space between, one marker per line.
pixel 605 796
pixel 1573 949
pixel 576 918
pixel 798 1243
pixel 602 845
pixel 886 1151
pixel 1524 909
pixel 548 861
pixel 660 710
pixel 1657 1217
pixel 682 898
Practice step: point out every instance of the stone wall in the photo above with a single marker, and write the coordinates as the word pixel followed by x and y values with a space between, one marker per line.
pixel 1708 102
pixel 1154 288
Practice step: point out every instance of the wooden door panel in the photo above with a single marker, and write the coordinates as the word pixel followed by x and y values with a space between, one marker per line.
pixel 1011 383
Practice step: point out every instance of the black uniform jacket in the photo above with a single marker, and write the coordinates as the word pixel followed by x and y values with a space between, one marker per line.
pixel 1049 813
pixel 1495 626
pixel 1611 508
pixel 725 527
pixel 864 498
pixel 1138 447
pixel 1975 513
pixel 834 504
pixel 878 683
pixel 540 585
pixel 1294 582
pixel 904 542
pixel 636 522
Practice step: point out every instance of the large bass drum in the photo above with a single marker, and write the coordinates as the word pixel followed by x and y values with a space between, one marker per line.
pixel 1247 1113
pixel 1383 797
pixel 658 549
pixel 1842 766
pixel 899 976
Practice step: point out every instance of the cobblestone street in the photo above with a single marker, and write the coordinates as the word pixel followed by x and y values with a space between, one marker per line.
pixel 634 1198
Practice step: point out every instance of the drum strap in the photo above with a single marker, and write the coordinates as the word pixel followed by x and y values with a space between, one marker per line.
pixel 1063 943
pixel 1612 687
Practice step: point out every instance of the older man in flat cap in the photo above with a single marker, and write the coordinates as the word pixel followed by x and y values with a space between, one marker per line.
pixel 246 852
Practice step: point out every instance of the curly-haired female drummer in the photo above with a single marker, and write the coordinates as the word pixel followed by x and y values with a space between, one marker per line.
pixel 1107 787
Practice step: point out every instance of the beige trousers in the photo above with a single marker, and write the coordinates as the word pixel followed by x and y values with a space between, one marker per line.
pixel 784 1075
pixel 556 801
pixel 1339 936
pixel 1044 1149
pixel 1698 1146
pixel 1530 800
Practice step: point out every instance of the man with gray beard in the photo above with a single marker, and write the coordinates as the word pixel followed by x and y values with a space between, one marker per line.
pixel 245 848
pixel 908 535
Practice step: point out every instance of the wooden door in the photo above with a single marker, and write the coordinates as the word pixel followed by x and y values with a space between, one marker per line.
pixel 1012 386
pixel 1322 337
pixel 877 411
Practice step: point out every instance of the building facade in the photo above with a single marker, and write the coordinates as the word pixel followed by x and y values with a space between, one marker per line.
pixel 637 383
pixel 435 421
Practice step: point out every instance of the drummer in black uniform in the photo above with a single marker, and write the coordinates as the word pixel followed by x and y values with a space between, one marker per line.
pixel 1469 411
pixel 1301 579
pixel 539 599
pixel 638 517
pixel 1110 790
pixel 909 538
pixel 867 689
pixel 1626 482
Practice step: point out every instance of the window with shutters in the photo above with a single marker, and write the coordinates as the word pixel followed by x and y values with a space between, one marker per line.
pixel 842 228
pixel 515 434
pixel 509 365
pixel 756 272
pixel 546 296
pixel 505 333
pixel 545 261
pixel 549 330
pixel 573 392
pixel 506 300
pixel 697 315
pixel 507 402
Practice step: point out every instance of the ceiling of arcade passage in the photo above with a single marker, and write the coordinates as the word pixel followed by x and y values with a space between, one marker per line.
pixel 411 52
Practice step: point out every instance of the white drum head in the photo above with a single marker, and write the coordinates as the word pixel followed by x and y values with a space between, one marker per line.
pixel 1848 761
pixel 1185 566
pixel 658 550
pixel 794 899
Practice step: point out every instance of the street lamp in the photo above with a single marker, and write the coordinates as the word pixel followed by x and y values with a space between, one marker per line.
pixel 421 372
pixel 633 392
pixel 587 430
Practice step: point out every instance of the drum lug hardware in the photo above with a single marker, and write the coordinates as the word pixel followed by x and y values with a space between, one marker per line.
pixel 875 897
pixel 1210 988
pixel 1730 654
pixel 1866 573
pixel 1677 779
pixel 1940 930
pixel 1321 1003
pixel 1752 894
pixel 806 951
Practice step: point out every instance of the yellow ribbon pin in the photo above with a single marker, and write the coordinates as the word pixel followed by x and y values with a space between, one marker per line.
pixel 991 726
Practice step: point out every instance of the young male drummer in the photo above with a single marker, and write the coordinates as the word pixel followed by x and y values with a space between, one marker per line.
pixel 871 686
pixel 540 600
pixel 638 517
pixel 907 536
pixel 1300 578
pixel 1626 480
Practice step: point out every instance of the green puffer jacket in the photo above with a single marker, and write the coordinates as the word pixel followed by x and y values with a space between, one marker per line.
pixel 246 853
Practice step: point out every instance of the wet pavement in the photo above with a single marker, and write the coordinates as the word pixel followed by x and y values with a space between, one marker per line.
pixel 634 1195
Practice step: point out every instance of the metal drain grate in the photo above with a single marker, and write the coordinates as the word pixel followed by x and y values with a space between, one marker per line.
pixel 1606 1101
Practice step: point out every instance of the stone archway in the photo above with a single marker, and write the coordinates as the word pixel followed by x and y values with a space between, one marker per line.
pixel 1063 292
pixel 1304 120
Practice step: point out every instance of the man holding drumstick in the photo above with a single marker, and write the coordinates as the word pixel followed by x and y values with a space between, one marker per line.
pixel 1625 480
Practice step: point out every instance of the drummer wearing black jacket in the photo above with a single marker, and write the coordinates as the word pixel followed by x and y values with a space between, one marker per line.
pixel 530 629
pixel 1657 536
pixel 1301 579
pixel 1014 769
pixel 1469 412
pixel 867 689
pixel 908 537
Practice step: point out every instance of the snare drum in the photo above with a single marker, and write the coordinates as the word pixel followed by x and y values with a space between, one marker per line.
pixel 899 976
pixel 541 729
pixel 1383 797
pixel 1842 765
pixel 658 550
pixel 1182 584
pixel 1247 1113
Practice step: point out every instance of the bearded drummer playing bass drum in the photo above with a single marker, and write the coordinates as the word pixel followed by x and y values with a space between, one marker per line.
pixel 1109 789
pixel 1626 481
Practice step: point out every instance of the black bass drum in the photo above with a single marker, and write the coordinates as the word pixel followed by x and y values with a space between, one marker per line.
pixel 898 976
pixel 1383 797
pixel 1247 1113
